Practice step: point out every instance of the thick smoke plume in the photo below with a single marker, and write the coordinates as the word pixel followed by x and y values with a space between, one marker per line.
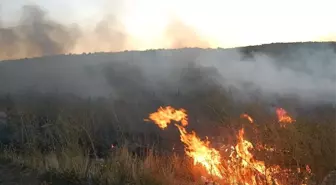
pixel 34 36
pixel 38 35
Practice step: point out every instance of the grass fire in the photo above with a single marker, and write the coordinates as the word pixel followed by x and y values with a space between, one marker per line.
pixel 239 168
pixel 261 115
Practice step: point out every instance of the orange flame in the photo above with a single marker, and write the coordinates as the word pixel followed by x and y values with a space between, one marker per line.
pixel 247 117
pixel 201 152
pixel 248 161
pixel 164 116
pixel 194 147
pixel 283 117
pixel 240 167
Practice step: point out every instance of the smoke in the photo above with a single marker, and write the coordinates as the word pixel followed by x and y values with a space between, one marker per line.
pixel 35 34
pixel 108 35
pixel 304 71
pixel 307 73
pixel 181 35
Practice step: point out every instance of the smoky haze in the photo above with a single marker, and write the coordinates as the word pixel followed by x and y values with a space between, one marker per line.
pixel 181 35
pixel 308 73
pixel 307 70
pixel 304 70
pixel 35 34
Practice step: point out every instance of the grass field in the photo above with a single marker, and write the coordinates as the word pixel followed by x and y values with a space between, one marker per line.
pixel 45 138
pixel 54 138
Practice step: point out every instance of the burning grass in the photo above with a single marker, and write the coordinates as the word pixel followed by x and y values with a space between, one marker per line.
pixel 249 150
pixel 240 167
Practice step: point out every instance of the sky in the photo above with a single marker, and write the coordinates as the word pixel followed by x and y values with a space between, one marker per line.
pixel 220 23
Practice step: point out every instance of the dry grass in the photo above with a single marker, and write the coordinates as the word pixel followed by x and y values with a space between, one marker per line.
pixel 120 168
pixel 306 142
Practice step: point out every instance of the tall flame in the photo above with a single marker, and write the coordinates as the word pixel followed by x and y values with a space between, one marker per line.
pixel 240 167
pixel 248 161
pixel 194 147
pixel 201 152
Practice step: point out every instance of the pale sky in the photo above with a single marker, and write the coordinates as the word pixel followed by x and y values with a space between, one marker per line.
pixel 222 23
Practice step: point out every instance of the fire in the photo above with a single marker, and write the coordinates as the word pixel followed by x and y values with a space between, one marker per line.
pixel 194 147
pixel 239 167
pixel 248 161
pixel 201 152
pixel 247 117
pixel 164 116
pixel 283 117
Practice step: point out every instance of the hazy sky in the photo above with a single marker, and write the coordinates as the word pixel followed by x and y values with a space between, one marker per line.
pixel 222 23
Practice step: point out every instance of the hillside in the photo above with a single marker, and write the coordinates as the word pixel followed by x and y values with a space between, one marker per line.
pixel 255 114
pixel 282 68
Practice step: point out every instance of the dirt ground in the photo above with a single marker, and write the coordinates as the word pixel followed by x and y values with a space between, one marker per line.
pixel 16 175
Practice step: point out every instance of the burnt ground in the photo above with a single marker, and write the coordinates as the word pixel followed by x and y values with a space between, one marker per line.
pixel 11 174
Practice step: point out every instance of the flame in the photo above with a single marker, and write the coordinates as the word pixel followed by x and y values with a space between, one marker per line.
pixel 239 167
pixel 194 147
pixel 164 116
pixel 283 117
pixel 247 117
pixel 242 149
pixel 201 152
